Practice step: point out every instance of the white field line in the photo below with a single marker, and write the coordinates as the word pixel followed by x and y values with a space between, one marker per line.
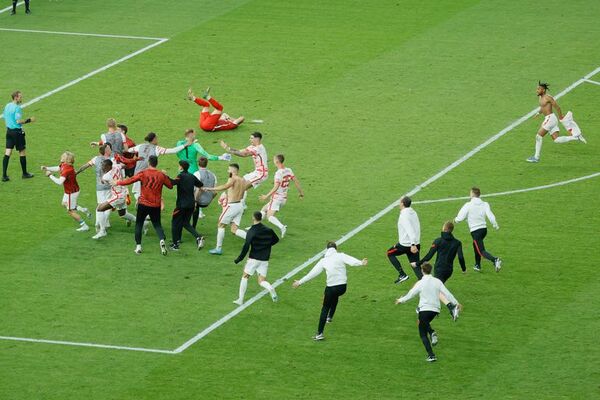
pixel 286 277
pixel 591 81
pixel 10 7
pixel 101 346
pixel 377 216
pixel 102 35
pixel 94 72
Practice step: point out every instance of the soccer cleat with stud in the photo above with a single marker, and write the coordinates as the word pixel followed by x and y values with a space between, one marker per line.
pixel 401 279
pixel 456 312
pixel 216 252
pixel 477 268
pixel 581 139
pixel 200 242
pixel 174 247
pixel 5 179
pixel 239 302
pixel 138 249
pixel 434 338
pixel 329 320
pixel 283 231
pixel 83 228
pixel 498 264
pixel 533 159
pixel 163 248
pixel 431 359
pixel 206 93
pixel 27 175
pixel 318 337
pixel 99 235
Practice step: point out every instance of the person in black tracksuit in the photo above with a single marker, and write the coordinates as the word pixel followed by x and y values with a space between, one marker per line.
pixel 447 248
pixel 184 208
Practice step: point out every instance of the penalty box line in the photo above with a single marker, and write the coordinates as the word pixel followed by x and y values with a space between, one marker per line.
pixel 157 42
pixel 379 215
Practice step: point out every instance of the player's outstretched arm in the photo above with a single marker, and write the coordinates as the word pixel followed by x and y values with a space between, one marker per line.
pixel 235 152
pixel 83 167
pixel 219 188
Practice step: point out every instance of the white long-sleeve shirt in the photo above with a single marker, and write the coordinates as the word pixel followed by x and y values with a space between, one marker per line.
pixel 334 264
pixel 475 211
pixel 409 227
pixel 429 289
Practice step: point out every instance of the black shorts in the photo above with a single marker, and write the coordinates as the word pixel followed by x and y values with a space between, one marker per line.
pixel 15 138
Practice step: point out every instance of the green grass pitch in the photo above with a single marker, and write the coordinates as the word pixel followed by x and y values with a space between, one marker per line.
pixel 366 99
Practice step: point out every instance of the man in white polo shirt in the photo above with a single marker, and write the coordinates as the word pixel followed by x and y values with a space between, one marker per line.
pixel 476 211
pixel 429 290
pixel 409 239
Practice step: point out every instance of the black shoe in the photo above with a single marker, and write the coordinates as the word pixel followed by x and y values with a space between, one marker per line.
pixel 401 279
pixel 5 179
pixel 27 175
pixel 28 11
pixel 477 268
pixel 13 12
pixel 431 359
pixel 174 247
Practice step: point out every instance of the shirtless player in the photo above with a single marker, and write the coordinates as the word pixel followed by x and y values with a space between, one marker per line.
pixel 550 124
pixel 216 120
pixel 232 214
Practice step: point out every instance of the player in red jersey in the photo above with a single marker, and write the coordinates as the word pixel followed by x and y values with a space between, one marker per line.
pixel 216 120
pixel 68 180
pixel 152 182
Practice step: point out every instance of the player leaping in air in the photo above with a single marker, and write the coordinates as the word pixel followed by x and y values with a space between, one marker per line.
pixel 278 193
pixel 550 123
pixel 216 120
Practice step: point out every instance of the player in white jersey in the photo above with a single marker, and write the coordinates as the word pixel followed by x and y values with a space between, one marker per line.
pixel 117 199
pixel 257 151
pixel 145 150
pixel 279 192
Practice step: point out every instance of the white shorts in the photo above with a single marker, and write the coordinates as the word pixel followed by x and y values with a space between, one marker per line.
pixel 136 188
pixel 550 124
pixel 118 202
pixel 102 196
pixel 256 178
pixel 232 213
pixel 275 204
pixel 69 200
pixel 256 266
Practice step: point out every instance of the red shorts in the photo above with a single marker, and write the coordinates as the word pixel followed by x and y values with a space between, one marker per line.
pixel 213 122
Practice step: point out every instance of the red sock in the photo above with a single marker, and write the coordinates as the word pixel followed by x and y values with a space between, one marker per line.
pixel 215 104
pixel 201 102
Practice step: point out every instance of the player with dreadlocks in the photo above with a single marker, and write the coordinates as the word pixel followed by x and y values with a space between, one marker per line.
pixel 550 123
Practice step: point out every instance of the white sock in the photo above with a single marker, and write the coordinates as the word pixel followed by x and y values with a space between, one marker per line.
pixel 102 221
pixel 129 216
pixel 244 199
pixel 276 222
pixel 243 287
pixel 241 233
pixel 269 288
pixel 99 217
pixel 106 218
pixel 565 139
pixel 538 145
pixel 220 237
pixel 82 209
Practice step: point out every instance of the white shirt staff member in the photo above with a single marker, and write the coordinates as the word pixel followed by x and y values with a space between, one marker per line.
pixel 429 290
pixel 409 240
pixel 476 211
pixel 334 264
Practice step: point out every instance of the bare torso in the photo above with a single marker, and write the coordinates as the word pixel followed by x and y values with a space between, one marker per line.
pixel 236 192
pixel 546 104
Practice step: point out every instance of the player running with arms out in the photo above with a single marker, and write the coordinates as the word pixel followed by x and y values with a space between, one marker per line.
pixel 429 290
pixel 334 263
pixel 190 153
pixel 259 240
pixel 232 213
pixel 257 151
pixel 149 204
pixel 68 180
pixel 278 193
pixel 216 120
pixel 117 199
pixel 550 123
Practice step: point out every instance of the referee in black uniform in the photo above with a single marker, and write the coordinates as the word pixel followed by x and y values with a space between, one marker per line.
pixel 15 135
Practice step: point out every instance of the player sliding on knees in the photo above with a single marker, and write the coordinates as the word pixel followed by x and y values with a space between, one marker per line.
pixel 216 120
pixel 232 213
pixel 68 180
pixel 550 123
pixel 116 200
pixel 278 193
pixel 257 151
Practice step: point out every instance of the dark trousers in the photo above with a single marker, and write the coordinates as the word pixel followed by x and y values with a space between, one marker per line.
pixel 154 213
pixel 15 4
pixel 398 250
pixel 196 215
pixel 425 329
pixel 181 219
pixel 479 247
pixel 443 274
pixel 330 301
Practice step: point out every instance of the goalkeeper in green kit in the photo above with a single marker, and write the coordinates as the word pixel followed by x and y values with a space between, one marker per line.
pixel 190 153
